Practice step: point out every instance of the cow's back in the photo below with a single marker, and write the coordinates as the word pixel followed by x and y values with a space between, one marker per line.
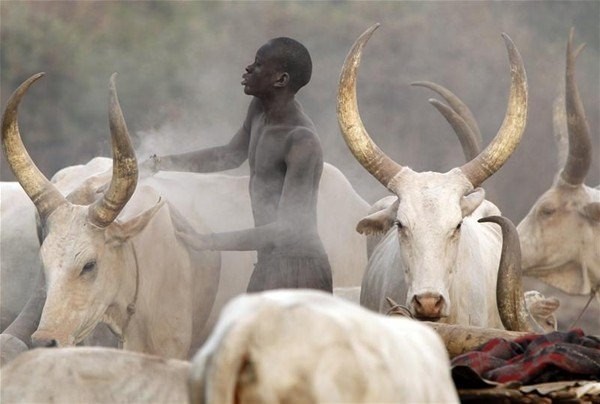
pixel 93 375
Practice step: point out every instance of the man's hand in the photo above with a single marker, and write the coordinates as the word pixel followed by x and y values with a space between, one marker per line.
pixel 197 241
pixel 150 166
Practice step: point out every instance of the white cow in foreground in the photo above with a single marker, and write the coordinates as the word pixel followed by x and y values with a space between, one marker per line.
pixel 308 346
pixel 434 242
pixel 560 236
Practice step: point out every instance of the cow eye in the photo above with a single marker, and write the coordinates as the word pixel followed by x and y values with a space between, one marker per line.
pixel 398 224
pixel 459 225
pixel 547 210
pixel 88 267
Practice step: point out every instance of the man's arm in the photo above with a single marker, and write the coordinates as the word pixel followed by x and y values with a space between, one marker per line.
pixel 295 211
pixel 211 159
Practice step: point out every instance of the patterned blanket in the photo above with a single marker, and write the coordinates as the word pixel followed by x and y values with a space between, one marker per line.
pixel 533 359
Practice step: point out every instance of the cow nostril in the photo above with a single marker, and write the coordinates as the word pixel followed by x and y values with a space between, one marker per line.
pixel 428 304
pixel 44 343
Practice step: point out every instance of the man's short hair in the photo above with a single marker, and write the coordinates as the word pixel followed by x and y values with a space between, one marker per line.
pixel 294 59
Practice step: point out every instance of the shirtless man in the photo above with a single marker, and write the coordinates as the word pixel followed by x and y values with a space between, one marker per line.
pixel 286 161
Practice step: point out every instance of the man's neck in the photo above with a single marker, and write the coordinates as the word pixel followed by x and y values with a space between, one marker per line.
pixel 279 107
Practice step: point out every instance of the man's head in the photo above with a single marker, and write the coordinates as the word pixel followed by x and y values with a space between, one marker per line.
pixel 281 62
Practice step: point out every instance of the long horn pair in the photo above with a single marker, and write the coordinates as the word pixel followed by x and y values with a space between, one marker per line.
pixel 41 191
pixel 383 168
pixel 579 157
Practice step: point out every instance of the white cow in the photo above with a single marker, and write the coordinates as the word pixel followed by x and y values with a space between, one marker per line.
pixel 93 375
pixel 308 346
pixel 560 236
pixel 221 201
pixel 434 241
pixel 115 260
pixel 19 240
pixel 21 266
pixel 541 309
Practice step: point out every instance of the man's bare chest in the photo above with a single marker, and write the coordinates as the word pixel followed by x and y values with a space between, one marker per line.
pixel 267 150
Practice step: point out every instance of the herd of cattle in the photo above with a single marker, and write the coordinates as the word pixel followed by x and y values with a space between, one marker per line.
pixel 114 274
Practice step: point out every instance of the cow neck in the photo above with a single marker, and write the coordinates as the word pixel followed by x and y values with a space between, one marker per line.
pixel 119 330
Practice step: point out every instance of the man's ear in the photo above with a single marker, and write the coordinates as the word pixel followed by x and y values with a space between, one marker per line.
pixel 282 80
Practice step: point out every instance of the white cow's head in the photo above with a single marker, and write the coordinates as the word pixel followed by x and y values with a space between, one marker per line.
pixel 83 253
pixel 559 235
pixel 431 207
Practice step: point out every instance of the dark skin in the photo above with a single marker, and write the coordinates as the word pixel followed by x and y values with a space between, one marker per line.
pixel 286 161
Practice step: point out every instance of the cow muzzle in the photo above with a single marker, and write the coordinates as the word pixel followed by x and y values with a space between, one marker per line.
pixel 44 339
pixel 428 306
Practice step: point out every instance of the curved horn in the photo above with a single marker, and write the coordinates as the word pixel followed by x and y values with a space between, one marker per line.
pixel 471 145
pixel 372 158
pixel 580 147
pixel 125 169
pixel 509 288
pixel 509 135
pixel 39 189
pixel 457 106
pixel 559 128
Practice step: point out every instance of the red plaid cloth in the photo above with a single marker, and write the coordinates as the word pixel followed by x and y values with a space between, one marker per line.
pixel 536 358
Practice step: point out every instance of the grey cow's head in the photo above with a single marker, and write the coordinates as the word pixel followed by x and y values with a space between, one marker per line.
pixel 561 233
pixel 83 253
pixel 431 207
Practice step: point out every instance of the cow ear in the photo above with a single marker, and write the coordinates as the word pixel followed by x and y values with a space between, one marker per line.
pixel 90 190
pixel 471 201
pixel 380 221
pixel 543 307
pixel 119 232
pixel 592 211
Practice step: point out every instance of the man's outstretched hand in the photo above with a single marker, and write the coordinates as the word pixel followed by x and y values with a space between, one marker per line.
pixel 149 167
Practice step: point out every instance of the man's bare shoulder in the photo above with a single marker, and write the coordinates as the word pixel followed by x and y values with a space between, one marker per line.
pixel 304 138
pixel 302 133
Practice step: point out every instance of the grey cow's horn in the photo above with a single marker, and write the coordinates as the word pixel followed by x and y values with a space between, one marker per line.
pixel 372 158
pixel 459 116
pixel 125 169
pixel 580 147
pixel 509 288
pixel 509 135
pixel 40 190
